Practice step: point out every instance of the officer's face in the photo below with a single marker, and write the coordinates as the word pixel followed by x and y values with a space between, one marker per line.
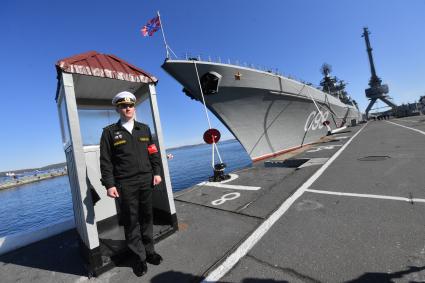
pixel 126 111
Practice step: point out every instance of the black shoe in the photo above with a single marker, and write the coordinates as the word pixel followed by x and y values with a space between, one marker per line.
pixel 140 268
pixel 154 259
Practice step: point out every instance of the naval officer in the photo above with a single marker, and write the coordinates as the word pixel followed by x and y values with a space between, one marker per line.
pixel 130 167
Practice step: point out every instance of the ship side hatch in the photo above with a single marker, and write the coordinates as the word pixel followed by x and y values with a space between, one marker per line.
pixel 210 83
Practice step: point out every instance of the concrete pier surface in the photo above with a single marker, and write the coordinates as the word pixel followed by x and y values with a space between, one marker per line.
pixel 31 179
pixel 350 209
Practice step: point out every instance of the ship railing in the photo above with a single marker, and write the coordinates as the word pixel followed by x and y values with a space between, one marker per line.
pixel 220 60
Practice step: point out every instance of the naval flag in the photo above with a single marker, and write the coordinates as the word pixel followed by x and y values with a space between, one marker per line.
pixel 151 27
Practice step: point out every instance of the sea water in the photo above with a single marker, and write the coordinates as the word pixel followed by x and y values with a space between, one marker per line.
pixel 39 204
pixel 193 164
pixel 35 205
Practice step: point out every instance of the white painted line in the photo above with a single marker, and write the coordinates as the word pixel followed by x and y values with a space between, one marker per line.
pixel 413 129
pixel 226 197
pixel 322 147
pixel 233 187
pixel 179 194
pixel 409 120
pixel 314 161
pixel 232 177
pixel 249 243
pixel 342 137
pixel 366 196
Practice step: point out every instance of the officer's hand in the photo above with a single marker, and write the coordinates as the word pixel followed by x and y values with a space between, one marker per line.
pixel 156 180
pixel 113 192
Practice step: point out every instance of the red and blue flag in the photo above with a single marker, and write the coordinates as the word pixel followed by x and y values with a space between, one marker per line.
pixel 151 27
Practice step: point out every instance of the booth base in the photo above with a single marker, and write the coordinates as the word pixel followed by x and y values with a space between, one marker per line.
pixel 112 248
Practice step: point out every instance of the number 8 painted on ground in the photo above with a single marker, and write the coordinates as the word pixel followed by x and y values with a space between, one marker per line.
pixel 225 198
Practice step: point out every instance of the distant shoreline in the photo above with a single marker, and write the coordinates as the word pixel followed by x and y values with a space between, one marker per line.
pixel 63 164
pixel 30 179
pixel 197 144
pixel 56 166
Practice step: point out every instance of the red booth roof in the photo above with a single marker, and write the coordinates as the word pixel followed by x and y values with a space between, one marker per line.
pixel 103 65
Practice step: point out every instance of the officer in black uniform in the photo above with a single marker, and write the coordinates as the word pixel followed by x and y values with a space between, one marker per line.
pixel 130 167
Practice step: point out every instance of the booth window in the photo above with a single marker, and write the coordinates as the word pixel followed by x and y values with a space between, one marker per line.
pixel 144 115
pixel 93 120
pixel 66 137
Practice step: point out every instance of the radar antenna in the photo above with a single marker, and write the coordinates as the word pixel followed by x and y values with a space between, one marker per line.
pixel 326 69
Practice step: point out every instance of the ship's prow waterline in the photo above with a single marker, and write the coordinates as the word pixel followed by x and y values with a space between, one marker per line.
pixel 269 114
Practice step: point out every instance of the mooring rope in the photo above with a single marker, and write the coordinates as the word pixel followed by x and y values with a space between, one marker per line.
pixel 214 145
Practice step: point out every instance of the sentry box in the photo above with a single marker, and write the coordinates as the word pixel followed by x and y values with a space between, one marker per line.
pixel 86 85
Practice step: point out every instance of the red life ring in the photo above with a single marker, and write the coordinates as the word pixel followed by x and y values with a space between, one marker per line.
pixel 212 136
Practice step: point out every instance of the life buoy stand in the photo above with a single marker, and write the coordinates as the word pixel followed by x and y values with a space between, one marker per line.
pixel 212 136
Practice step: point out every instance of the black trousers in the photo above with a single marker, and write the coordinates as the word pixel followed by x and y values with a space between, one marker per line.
pixel 137 216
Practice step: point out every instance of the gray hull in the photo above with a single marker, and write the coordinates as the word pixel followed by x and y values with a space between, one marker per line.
pixel 269 114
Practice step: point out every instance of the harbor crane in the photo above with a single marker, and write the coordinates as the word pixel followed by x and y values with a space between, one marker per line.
pixel 377 90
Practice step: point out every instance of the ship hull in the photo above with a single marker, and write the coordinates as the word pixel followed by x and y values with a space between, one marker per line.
pixel 269 114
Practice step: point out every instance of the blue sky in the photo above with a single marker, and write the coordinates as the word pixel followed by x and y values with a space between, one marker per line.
pixel 296 37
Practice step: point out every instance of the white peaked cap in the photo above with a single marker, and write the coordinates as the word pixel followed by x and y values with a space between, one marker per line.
pixel 123 97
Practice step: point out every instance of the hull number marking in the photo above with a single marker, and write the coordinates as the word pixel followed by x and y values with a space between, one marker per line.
pixel 315 120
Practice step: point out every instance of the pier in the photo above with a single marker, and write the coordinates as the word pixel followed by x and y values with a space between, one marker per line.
pixel 348 209
pixel 31 179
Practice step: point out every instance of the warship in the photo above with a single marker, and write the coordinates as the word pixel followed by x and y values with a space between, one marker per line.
pixel 268 113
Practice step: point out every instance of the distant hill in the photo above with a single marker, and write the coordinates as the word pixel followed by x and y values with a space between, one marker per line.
pixel 48 167
pixel 198 144
pixel 53 166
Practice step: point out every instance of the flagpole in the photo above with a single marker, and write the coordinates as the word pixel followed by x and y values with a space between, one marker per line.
pixel 163 35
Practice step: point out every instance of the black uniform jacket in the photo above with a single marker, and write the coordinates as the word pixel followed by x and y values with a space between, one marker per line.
pixel 125 156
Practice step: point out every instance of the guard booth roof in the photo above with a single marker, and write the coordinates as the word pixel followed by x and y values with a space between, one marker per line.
pixel 94 64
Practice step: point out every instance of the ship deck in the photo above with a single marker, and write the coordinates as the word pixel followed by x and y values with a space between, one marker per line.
pixel 348 209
